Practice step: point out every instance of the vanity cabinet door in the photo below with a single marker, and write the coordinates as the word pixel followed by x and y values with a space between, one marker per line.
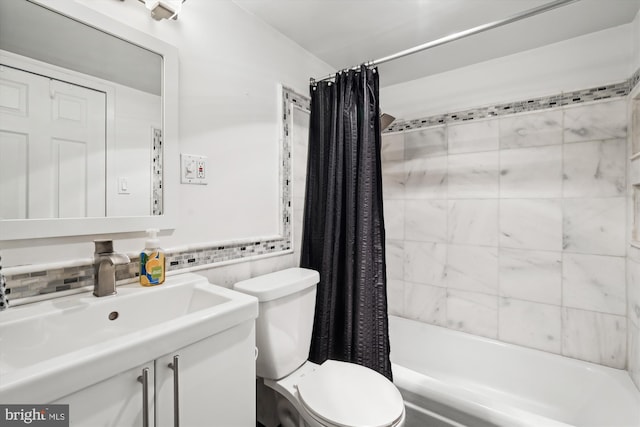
pixel 114 402
pixel 216 381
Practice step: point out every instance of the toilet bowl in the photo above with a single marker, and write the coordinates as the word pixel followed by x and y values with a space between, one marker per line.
pixel 332 394
pixel 337 394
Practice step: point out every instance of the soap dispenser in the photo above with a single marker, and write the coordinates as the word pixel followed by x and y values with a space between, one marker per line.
pixel 152 263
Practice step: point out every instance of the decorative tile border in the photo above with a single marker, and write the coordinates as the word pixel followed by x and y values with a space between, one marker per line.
pixel 4 301
pixel 62 279
pixel 580 96
pixel 49 281
pixel 156 172
pixel 214 255
pixel 634 80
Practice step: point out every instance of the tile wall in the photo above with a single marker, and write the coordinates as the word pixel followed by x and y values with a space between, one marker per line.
pixel 633 258
pixel 513 227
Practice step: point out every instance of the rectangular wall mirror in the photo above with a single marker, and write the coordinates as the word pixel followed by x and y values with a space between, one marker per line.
pixel 88 116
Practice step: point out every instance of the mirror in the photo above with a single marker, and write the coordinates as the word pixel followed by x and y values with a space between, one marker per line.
pixel 87 118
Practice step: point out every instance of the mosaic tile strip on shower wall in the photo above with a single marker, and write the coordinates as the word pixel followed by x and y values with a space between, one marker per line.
pixel 586 95
pixel 50 281
pixel 634 80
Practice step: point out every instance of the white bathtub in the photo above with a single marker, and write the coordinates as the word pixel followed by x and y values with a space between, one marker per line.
pixel 452 378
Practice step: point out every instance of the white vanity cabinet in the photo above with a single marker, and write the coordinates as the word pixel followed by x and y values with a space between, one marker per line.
pixel 215 386
pixel 216 381
pixel 114 402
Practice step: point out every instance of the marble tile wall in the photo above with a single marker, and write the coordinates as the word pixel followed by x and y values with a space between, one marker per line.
pixel 513 228
pixel 633 254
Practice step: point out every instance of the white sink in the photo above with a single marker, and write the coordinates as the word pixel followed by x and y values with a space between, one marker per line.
pixel 64 344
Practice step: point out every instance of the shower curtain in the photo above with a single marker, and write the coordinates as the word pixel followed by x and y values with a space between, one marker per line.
pixel 343 233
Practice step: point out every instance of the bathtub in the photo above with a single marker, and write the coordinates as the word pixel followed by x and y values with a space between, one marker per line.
pixel 450 378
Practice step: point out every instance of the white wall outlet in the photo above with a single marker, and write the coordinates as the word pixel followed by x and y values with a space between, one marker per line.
pixel 193 169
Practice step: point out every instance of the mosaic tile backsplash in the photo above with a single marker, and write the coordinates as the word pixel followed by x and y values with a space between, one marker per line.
pixel 54 280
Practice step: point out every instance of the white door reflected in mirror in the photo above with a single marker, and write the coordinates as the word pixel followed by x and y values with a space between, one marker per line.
pixel 52 148
pixel 65 162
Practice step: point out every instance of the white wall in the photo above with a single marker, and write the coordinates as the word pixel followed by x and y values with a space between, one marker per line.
pixel 230 66
pixel 636 43
pixel 582 62
pixel 136 113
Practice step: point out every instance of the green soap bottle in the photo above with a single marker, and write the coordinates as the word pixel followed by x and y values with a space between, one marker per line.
pixel 152 263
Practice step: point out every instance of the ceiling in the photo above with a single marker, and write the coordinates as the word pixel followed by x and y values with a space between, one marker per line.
pixel 344 33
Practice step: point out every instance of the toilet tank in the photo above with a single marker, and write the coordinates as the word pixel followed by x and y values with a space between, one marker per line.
pixel 287 300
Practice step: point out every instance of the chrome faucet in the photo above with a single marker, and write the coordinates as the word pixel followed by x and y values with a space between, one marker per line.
pixel 105 261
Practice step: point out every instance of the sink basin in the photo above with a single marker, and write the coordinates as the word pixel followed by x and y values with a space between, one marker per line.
pixel 57 346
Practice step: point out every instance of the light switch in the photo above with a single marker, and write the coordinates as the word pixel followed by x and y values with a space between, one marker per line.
pixel 193 169
pixel 190 169
pixel 123 185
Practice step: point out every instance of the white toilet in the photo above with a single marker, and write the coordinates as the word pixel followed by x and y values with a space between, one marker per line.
pixel 334 394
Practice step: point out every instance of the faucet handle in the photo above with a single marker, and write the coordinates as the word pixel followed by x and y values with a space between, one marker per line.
pixel 104 246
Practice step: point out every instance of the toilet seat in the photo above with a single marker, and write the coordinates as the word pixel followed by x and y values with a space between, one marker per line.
pixel 347 395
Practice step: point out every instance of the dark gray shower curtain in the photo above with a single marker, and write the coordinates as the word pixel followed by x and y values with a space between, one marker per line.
pixel 343 234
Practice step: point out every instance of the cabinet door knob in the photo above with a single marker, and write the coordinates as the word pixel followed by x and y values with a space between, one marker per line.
pixel 144 379
pixel 176 392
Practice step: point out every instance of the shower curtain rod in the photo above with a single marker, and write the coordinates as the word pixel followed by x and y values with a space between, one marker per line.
pixel 459 35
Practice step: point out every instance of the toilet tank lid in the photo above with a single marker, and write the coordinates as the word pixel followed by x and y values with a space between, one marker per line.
pixel 278 284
